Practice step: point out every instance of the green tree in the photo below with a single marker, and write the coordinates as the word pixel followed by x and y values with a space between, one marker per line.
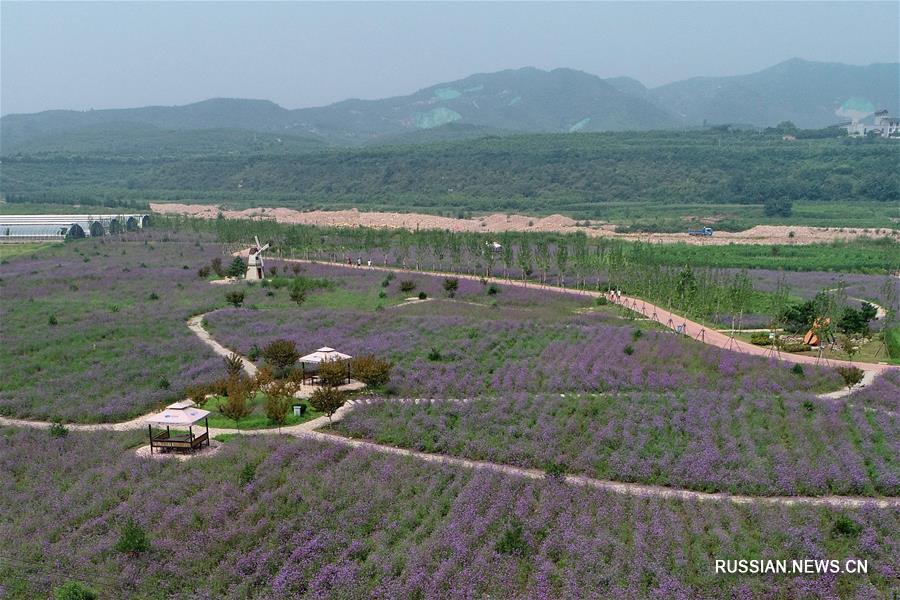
pixel 281 355
pixel 278 401
pixel 297 293
pixel 236 405
pixel 233 365
pixel 327 400
pixel 235 298
pixel 237 268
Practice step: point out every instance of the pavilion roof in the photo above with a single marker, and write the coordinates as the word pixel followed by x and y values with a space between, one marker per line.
pixel 177 414
pixel 324 354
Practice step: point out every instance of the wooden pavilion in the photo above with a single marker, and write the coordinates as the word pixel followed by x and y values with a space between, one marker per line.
pixel 179 415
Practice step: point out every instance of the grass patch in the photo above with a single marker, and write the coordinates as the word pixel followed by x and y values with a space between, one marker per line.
pixel 23 248
pixel 257 418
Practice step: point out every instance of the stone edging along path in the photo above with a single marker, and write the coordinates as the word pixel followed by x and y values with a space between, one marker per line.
pixel 308 430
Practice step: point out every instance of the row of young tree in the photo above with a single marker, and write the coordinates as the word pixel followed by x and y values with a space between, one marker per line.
pixel 548 258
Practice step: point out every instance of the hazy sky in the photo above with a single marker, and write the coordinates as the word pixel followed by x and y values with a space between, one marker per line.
pixel 106 55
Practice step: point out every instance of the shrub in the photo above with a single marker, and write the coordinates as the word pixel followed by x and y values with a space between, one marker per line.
pixel 133 539
pixel 216 266
pixel 235 298
pixel 628 349
pixel 601 301
pixel 851 375
pixel 382 294
pixel 556 470
pixel 407 285
pixel 72 590
pixel 493 289
pixel 52 320
pixel 247 474
pixel 197 393
pixel 203 272
pixel 636 334
pixel 372 371
pixel 797 369
pixel 760 338
pixel 422 295
pixel 297 294
pixel 513 540
pixel 386 282
pixel 254 353
pixel 451 284
pixel 844 526
pixel 281 354
pixel 327 400
pixel 795 347
pixel 233 365
pixel 153 296
pixel 164 384
pixel 219 387
pixel 434 354
pixel 58 430
pixel 237 268
pixel 333 372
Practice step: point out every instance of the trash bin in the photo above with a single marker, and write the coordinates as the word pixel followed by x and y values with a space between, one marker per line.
pixel 299 409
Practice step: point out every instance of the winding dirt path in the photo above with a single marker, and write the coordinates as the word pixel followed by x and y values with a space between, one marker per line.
pixel 668 319
pixel 195 324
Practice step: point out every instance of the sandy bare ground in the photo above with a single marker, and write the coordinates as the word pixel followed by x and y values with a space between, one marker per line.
pixel 497 223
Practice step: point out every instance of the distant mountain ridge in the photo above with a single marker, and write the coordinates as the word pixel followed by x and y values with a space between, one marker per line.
pixel 525 100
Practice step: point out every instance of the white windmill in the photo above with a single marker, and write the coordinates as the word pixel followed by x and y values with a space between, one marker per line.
pixel 255 267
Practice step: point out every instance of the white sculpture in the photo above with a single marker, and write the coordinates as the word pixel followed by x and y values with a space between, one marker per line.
pixel 255 267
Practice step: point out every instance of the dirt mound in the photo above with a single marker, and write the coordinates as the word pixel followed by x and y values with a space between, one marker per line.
pixel 497 223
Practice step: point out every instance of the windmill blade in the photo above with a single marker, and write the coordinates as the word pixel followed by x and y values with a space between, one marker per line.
pixel 256 237
pixel 266 247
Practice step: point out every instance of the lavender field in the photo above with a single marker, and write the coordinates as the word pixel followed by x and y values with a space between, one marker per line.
pixel 489 351
pixel 702 440
pixel 94 330
pixel 319 521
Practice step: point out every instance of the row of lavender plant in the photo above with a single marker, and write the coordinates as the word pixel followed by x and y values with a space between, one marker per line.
pixel 703 440
pixel 95 329
pixel 282 518
pixel 452 356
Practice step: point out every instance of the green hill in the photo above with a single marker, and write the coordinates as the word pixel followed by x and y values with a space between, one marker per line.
pixel 141 140
pixel 804 92
pixel 526 100
pixel 582 174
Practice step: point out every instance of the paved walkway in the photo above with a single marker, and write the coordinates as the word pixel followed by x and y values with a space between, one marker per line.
pixel 664 317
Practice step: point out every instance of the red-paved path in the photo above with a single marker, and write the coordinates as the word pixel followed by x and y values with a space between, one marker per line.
pixel 661 315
